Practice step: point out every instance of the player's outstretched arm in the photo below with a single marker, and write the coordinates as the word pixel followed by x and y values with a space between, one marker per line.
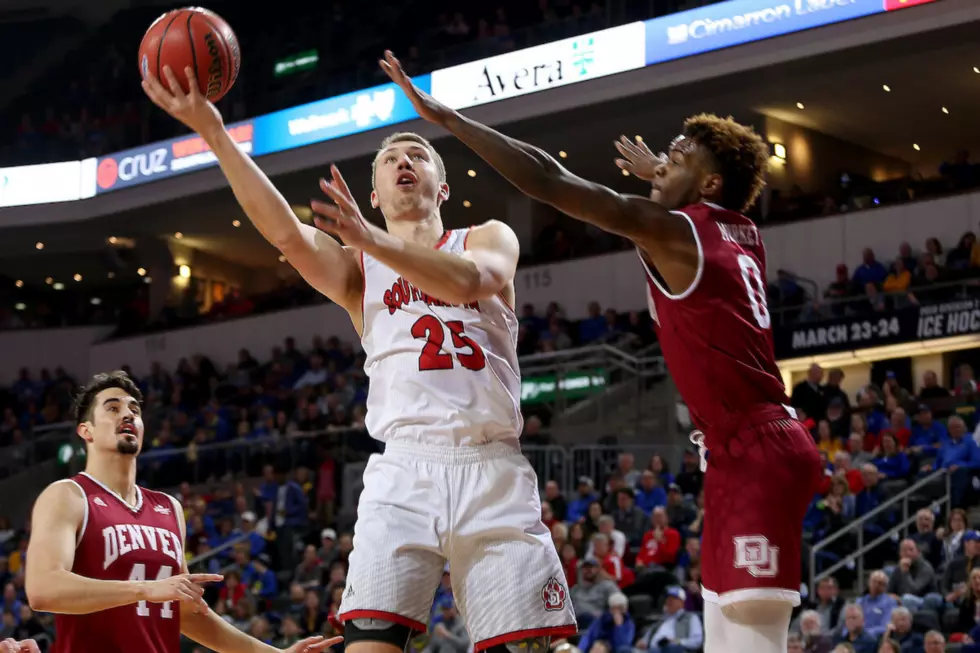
pixel 52 587
pixel 486 269
pixel 538 175
pixel 324 264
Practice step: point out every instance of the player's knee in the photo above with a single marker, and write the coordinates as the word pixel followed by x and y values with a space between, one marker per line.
pixel 376 636
pixel 528 645
pixel 758 612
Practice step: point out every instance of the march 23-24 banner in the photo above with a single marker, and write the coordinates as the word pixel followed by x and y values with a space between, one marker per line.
pixel 916 323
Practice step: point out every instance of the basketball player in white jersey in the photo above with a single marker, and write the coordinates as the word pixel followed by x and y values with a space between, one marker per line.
pixel 434 312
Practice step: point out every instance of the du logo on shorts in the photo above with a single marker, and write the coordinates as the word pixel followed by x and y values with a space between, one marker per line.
pixel 754 554
pixel 553 595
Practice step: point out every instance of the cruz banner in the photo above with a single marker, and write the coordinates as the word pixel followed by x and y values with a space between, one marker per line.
pixel 928 322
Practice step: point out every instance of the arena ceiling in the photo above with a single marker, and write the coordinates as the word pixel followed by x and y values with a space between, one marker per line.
pixel 842 94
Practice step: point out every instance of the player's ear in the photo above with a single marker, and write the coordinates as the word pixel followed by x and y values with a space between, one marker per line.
pixel 374 199
pixel 84 431
pixel 712 185
pixel 443 194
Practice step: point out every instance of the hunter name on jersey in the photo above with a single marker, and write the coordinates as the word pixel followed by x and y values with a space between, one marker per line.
pixel 402 293
pixel 122 539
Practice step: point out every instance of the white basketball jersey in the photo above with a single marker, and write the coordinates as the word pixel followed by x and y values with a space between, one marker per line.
pixel 439 374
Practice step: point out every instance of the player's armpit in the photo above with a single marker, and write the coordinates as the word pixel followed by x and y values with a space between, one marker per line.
pixel 51 586
pixel 494 249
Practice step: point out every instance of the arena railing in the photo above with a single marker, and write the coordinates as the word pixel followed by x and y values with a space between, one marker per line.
pixel 868 541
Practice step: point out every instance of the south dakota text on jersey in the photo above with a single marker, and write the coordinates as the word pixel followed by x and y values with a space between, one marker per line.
pixel 402 293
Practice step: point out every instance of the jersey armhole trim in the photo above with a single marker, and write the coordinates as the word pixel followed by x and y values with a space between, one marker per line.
pixel 697 275
pixel 363 295
pixel 81 531
pixel 182 532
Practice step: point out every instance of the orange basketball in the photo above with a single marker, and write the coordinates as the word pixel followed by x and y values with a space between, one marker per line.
pixel 197 38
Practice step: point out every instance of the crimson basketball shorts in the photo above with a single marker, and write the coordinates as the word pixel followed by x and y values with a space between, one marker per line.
pixel 760 480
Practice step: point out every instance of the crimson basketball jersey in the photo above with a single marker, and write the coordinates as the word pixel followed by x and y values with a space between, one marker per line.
pixel 716 336
pixel 119 541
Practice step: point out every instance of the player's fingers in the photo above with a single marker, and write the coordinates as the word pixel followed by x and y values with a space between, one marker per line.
pixel 625 146
pixel 195 90
pixel 642 145
pixel 330 211
pixel 29 646
pixel 338 179
pixel 174 85
pixel 326 225
pixel 347 207
pixel 9 646
pixel 308 643
pixel 157 94
pixel 624 150
pixel 324 645
pixel 205 578
pixel 623 164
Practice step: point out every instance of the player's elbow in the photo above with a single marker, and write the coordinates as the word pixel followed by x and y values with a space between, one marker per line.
pixel 39 595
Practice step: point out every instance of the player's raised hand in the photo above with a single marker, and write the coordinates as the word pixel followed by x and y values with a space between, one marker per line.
pixel 638 159
pixel 313 644
pixel 343 218
pixel 10 645
pixel 425 105
pixel 183 587
pixel 190 108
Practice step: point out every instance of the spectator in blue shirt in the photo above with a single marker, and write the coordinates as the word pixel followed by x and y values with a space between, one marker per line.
pixel 891 462
pixel 927 435
pixel 961 456
pixel 262 580
pixel 255 541
pixel 594 326
pixel 579 506
pixel 614 626
pixel 876 606
pixel 870 270
pixel 650 495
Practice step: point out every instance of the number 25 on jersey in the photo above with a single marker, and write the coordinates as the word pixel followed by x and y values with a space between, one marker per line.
pixel 468 352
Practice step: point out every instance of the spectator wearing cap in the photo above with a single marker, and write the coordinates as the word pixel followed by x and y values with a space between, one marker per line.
pixel 954 582
pixel 854 631
pixel 650 495
pixel 914 579
pixel 255 540
pixel 930 387
pixel 679 632
pixel 960 456
pixel 808 393
pixel 661 544
pixel 690 478
pixel 554 496
pixel 925 537
pixel 679 513
pixel 614 626
pixel 328 552
pixel 449 634
pixel 591 593
pixel 579 506
pixel 628 518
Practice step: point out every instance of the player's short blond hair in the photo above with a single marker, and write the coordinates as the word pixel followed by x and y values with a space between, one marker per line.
pixel 411 137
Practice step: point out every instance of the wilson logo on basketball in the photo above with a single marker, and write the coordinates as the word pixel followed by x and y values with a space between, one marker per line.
pixel 214 70
pixel 553 595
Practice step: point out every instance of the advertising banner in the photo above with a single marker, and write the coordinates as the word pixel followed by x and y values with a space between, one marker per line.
pixel 540 68
pixel 571 385
pixel 736 22
pixel 65 181
pixel 916 323
pixel 336 117
pixel 164 159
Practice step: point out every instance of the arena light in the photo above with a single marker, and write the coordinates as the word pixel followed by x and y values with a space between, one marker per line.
pixel 19 306
pixel 626 173
pixel 563 154
pixel 59 286
pixel 147 279
pixel 976 70
pixel 915 146
pixel 887 88
pixel 77 277
pixel 112 275
pixel 19 283
pixel 184 271
pixel 38 245
pixel 236 223
pixel 113 240
pixel 95 301
pixel 282 258
pixel 779 151
pixel 467 203
pixel 178 235
pixel 799 105
pixel 471 173
pixel 946 111
pixel 141 272
pixel 48 280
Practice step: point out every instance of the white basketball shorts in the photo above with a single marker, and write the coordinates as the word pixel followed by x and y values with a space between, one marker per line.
pixel 476 507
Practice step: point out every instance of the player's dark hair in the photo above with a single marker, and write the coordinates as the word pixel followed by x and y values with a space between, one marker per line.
pixel 411 137
pixel 85 401
pixel 740 154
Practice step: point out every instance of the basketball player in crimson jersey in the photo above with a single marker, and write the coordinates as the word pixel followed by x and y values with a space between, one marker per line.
pixel 705 266
pixel 107 556
pixel 434 312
